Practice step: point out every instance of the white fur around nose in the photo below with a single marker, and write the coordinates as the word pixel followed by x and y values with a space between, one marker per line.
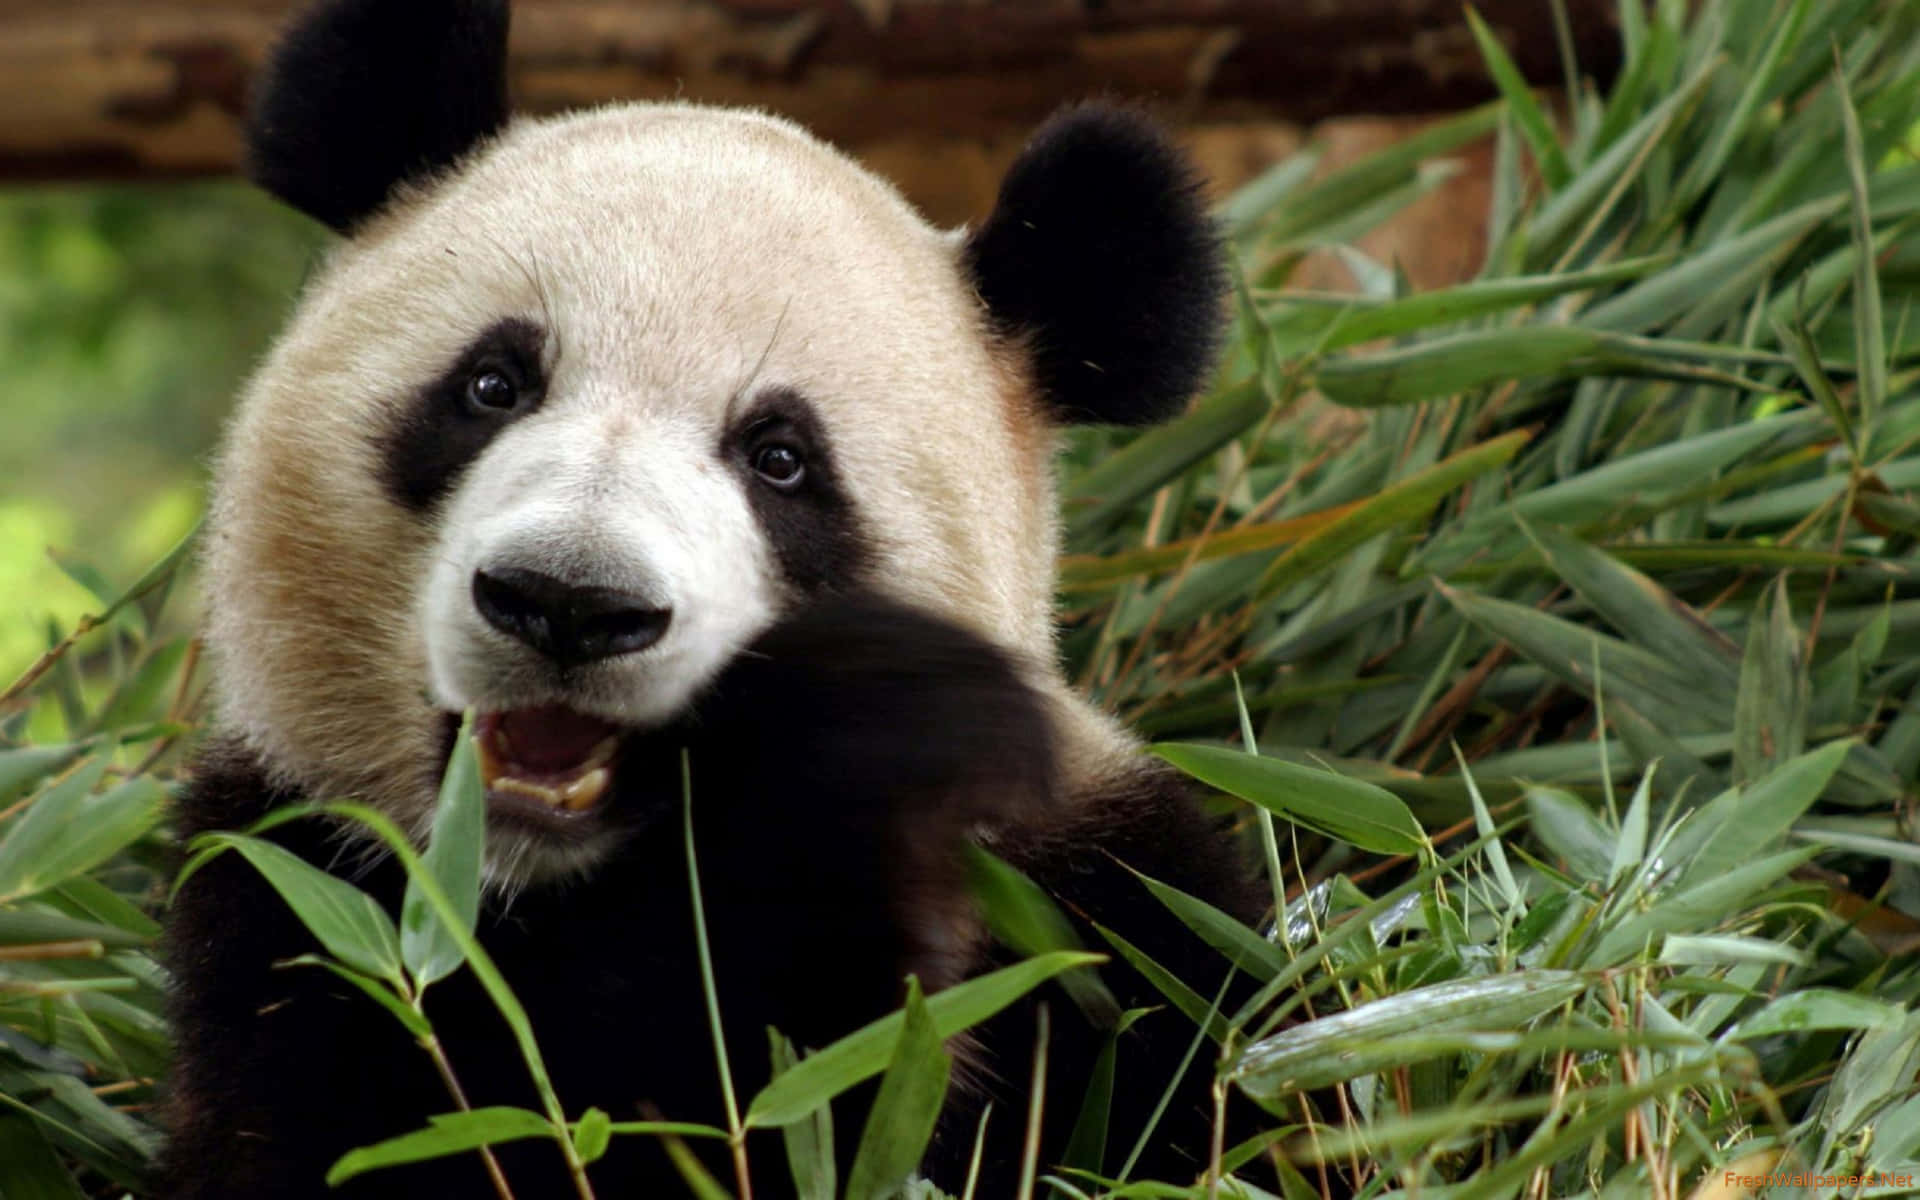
pixel 592 494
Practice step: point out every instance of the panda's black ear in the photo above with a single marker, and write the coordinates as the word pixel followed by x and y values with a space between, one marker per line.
pixel 363 94
pixel 1101 256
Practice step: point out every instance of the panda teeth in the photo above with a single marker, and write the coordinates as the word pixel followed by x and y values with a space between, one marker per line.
pixel 585 791
pixel 531 791
pixel 581 794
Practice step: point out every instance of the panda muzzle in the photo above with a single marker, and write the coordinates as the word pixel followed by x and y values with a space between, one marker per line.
pixel 553 757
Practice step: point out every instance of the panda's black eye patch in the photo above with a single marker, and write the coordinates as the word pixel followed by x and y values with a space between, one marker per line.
pixel 780 449
pixel 441 429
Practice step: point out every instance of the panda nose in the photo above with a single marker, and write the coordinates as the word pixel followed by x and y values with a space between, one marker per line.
pixel 568 623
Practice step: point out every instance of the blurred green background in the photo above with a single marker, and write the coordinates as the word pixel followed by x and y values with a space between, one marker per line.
pixel 128 317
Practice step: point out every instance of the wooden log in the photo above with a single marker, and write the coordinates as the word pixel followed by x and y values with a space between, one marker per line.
pixel 146 88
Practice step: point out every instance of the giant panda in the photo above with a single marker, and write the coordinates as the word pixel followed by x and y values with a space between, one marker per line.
pixel 662 428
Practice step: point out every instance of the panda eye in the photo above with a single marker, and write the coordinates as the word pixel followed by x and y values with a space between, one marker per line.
pixel 492 391
pixel 780 465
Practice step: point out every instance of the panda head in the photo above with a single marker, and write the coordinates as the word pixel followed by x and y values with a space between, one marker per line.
pixel 580 406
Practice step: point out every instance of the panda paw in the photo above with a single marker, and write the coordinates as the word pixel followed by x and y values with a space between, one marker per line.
pixel 875 707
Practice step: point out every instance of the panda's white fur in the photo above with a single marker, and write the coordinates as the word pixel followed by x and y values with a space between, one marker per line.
pixel 682 257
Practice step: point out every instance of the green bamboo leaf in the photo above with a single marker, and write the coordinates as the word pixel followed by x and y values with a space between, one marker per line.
pixel 700 1182
pixel 1197 1008
pixel 1721 949
pixel 1315 1054
pixel 1526 110
pixel 1463 362
pixel 1806 363
pixel 1647 50
pixel 1246 210
pixel 454 854
pixel 865 1052
pixel 1641 610
pixel 1770 716
pixel 33 1170
pixel 1101 494
pixel 1244 948
pixel 809 1143
pixel 592 1134
pixel 1086 572
pixel 1596 187
pixel 1698 908
pixel 379 930
pixel 448 1134
pixel 1655 474
pixel 1344 809
pixel 1737 825
pixel 1568 828
pixel 1630 850
pixel 1362 184
pixel 376 990
pixel 25 927
pixel 1086 1146
pixel 1869 329
pixel 1737 263
pixel 1338 321
pixel 1635 678
pixel 906 1108
pixel 348 922
pixel 1709 167
pixel 1023 917
pixel 140 693
pixel 1409 499
pixel 1795 501
pixel 24 766
pixel 1819 1008
pixel 71 829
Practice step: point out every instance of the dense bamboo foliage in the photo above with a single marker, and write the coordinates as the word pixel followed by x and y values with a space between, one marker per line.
pixel 1572 615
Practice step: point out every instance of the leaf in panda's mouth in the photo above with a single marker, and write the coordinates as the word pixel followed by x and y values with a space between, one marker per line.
pixel 551 756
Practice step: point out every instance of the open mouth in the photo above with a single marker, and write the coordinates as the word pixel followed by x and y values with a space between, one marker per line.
pixel 552 763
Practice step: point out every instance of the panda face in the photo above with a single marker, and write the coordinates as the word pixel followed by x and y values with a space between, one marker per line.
pixel 555 439
pixel 583 405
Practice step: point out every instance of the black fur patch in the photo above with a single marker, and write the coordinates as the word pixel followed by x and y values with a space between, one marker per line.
pixel 426 445
pixel 812 528
pixel 1100 253
pixel 363 94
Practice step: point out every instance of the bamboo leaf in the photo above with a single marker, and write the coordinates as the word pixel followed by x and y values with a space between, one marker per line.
pixel 451 1133
pixel 1410 499
pixel 1526 110
pixel 453 855
pixel 1770 717
pixel 1347 810
pixel 69 829
pixel 906 1107
pixel 344 919
pixel 1326 1051
pixel 1869 330
pixel 1641 610
pixel 864 1053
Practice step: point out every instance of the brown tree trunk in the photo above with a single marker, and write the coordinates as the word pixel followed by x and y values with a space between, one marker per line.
pixel 92 88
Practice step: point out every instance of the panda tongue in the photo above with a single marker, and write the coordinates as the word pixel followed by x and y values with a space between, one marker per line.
pixel 550 741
